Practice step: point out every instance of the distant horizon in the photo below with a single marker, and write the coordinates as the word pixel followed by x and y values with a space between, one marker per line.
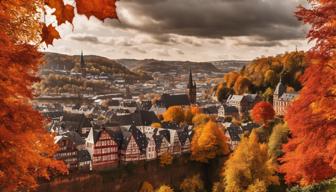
pixel 142 59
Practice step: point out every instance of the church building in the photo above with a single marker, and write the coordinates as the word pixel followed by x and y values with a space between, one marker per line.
pixel 281 99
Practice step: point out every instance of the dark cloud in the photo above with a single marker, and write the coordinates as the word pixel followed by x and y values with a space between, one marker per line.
pixel 257 42
pixel 86 38
pixel 269 19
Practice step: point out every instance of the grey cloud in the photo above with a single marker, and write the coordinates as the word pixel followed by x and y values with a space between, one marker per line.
pixel 259 43
pixel 86 38
pixel 268 19
pixel 137 49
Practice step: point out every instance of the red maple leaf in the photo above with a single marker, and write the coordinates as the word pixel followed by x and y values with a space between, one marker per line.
pixel 49 33
pixel 101 9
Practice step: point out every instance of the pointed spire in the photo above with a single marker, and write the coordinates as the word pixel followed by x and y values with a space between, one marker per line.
pixel 190 83
pixel 82 62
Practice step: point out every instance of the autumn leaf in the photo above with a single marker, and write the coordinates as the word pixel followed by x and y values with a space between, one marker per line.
pixel 49 33
pixel 102 9
pixel 62 12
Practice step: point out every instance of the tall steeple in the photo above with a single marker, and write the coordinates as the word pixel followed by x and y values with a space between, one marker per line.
pixel 82 64
pixel 279 90
pixel 190 82
pixel 191 89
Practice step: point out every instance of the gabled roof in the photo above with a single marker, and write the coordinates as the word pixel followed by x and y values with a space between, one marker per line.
pixel 138 118
pixel 115 135
pixel 72 136
pixel 93 135
pixel 174 100
pixel 139 137
pixel 234 133
pixel 166 135
pixel 158 140
pixel 183 135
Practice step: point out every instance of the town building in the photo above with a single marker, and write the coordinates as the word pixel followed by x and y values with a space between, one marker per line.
pixel 70 144
pixel 281 99
pixel 134 145
pixel 103 146
pixel 243 103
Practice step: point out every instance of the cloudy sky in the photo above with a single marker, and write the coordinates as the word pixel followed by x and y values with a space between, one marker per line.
pixel 196 30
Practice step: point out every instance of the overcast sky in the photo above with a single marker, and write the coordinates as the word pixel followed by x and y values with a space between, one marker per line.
pixel 196 30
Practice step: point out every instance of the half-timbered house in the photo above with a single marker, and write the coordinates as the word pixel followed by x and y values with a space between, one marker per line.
pixel 134 145
pixel 103 147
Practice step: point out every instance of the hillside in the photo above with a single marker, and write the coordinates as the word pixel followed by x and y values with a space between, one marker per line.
pixel 230 65
pixel 262 75
pixel 151 65
pixel 95 65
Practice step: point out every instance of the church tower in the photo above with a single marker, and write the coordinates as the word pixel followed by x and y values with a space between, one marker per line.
pixel 191 89
pixel 82 65
pixel 279 90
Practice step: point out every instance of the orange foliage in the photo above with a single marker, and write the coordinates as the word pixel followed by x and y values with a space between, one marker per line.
pixel 49 33
pixel 26 149
pixel 180 114
pixel 208 142
pixel 310 154
pixel 101 9
pixel 62 12
pixel 262 112
pixel 174 114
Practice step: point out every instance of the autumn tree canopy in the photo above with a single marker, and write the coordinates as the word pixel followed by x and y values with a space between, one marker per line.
pixel 164 188
pixel 263 73
pixel 249 167
pixel 208 141
pixel 192 184
pixel 26 149
pixel 146 187
pixel 262 112
pixel 310 153
pixel 179 114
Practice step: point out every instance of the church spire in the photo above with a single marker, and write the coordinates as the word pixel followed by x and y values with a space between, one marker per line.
pixel 191 89
pixel 82 64
pixel 190 83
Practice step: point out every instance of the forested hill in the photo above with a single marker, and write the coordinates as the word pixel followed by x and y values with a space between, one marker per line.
pixel 152 65
pixel 263 74
pixel 95 65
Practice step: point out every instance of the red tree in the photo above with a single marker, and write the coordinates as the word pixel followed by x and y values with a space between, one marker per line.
pixel 262 112
pixel 310 154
